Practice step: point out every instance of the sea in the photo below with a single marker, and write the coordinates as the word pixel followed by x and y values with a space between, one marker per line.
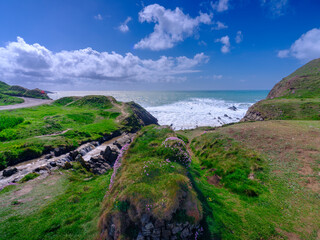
pixel 185 109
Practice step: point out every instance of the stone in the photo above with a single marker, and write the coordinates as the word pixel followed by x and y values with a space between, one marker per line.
pixel 145 218
pixel 166 234
pixel 140 236
pixel 9 172
pixel 225 115
pixel 112 230
pixel 176 229
pixel 233 108
pixel 110 154
pixel 147 229
pixel 53 164
pixel 156 233
pixel 122 141
pixel 74 154
pixel 67 165
pixel 185 233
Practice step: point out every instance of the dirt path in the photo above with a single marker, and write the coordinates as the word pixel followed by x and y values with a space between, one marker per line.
pixel 28 102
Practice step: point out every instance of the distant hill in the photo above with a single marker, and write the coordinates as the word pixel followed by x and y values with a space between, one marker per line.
pixel 303 83
pixel 9 93
pixel 296 97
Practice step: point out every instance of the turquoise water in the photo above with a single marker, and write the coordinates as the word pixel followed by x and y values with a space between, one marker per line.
pixel 185 109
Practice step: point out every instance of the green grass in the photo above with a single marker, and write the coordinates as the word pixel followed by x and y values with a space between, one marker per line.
pixel 27 133
pixel 68 209
pixel 273 152
pixel 29 177
pixel 288 109
pixel 230 161
pixel 9 100
pixel 147 183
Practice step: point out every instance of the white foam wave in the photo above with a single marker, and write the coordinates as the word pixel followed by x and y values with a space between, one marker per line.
pixel 198 112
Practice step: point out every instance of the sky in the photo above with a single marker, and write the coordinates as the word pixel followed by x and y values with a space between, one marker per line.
pixel 156 45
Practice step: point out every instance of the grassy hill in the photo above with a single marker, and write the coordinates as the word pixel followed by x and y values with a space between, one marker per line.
pixel 30 132
pixel 294 97
pixel 9 94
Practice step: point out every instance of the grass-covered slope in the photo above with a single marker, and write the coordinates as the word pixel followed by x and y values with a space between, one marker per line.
pixel 303 83
pixel 150 183
pixel 259 180
pixel 9 94
pixel 30 132
pixel 65 205
pixel 294 97
pixel 9 100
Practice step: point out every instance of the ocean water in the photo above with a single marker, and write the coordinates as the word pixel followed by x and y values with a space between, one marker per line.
pixel 185 109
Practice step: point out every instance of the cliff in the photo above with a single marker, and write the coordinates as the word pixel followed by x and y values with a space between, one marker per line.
pixel 296 97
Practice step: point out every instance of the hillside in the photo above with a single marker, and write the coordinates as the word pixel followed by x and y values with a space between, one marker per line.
pixel 9 94
pixel 296 97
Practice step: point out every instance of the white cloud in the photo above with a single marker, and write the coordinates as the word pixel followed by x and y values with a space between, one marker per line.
pixel 170 27
pixel 226 44
pixel 239 37
pixel 202 43
pixel 124 26
pixel 307 47
pixel 276 7
pixel 98 17
pixel 217 77
pixel 20 61
pixel 221 5
pixel 219 25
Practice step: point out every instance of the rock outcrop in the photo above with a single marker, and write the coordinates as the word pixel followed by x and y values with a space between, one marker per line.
pixel 96 157
pixel 138 117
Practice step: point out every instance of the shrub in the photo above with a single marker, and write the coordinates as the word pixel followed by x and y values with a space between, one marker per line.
pixel 9 122
pixel 8 134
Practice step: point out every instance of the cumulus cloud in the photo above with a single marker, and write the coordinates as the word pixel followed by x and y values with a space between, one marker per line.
pixel 170 27
pixel 124 26
pixel 98 17
pixel 307 47
pixel 20 61
pixel 219 25
pixel 225 44
pixel 239 37
pixel 221 5
pixel 276 7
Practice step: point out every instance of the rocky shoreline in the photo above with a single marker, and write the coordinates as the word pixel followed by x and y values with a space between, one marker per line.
pixel 96 156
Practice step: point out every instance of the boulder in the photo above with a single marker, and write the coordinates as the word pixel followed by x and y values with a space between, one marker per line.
pixel 233 108
pixel 9 172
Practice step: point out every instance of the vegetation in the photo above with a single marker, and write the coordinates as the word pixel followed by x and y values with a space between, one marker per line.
pixel 303 83
pixel 29 177
pixel 9 94
pixel 28 133
pixel 148 182
pixel 288 109
pixel 296 97
pixel 9 100
pixel 279 160
pixel 60 207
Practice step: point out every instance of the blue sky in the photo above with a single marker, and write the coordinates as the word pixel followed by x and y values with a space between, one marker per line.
pixel 156 45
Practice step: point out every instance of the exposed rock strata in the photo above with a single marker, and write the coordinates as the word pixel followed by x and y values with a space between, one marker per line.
pixel 94 156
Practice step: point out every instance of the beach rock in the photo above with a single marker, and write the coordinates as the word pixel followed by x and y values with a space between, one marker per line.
pixel 225 115
pixel 110 154
pixel 9 172
pixel 122 141
pixel 140 236
pixel 233 108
